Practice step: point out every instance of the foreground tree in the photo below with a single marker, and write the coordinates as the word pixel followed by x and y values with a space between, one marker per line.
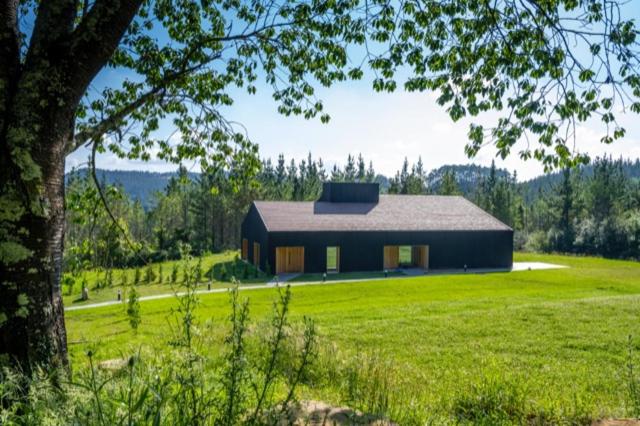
pixel 175 62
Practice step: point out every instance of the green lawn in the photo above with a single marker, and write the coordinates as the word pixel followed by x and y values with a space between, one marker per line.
pixel 215 262
pixel 563 332
pixel 341 276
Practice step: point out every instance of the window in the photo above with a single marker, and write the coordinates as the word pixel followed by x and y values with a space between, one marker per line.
pixel 333 259
pixel 405 256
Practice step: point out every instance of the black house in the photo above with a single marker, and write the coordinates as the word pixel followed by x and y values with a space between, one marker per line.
pixel 353 228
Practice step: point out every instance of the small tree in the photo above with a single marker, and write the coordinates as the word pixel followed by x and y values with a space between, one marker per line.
pixel 136 277
pixel 198 271
pixel 133 309
pixel 174 273
pixel 245 271
pixel 223 272
pixel 109 277
pixel 150 275
pixel 160 274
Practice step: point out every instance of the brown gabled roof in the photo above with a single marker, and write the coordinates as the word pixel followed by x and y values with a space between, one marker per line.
pixel 391 213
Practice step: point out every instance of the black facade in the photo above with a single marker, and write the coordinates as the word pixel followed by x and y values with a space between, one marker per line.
pixel 363 250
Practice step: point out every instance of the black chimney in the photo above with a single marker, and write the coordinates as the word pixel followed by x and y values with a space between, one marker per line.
pixel 348 192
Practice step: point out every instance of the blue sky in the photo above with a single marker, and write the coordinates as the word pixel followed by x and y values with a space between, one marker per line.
pixel 385 128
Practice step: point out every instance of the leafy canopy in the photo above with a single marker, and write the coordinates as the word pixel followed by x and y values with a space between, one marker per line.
pixel 545 65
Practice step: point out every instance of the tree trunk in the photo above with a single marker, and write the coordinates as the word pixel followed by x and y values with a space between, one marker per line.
pixel 33 332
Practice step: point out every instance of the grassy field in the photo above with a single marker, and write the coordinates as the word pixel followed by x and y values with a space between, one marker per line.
pixel 341 276
pixel 560 334
pixel 214 262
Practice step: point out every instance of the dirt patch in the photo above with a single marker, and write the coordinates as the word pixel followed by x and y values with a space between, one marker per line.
pixel 318 413
pixel 617 422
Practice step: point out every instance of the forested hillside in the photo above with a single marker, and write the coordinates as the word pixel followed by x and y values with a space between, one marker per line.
pixel 592 210
pixel 139 185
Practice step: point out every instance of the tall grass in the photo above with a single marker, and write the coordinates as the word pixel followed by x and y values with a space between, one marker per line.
pixel 185 384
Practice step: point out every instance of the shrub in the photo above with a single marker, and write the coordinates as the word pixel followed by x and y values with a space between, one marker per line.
pixel 245 271
pixel 160 274
pixel 198 270
pixel 133 309
pixel 223 272
pixel 174 273
pixel 633 382
pixel 124 280
pixel 150 275
pixel 136 277
pixel 68 283
pixel 109 277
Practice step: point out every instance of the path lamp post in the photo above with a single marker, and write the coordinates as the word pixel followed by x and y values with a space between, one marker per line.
pixel 119 295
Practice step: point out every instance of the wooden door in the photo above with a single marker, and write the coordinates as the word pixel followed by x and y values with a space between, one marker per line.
pixel 245 249
pixel 391 257
pixel 421 259
pixel 425 260
pixel 256 254
pixel 289 260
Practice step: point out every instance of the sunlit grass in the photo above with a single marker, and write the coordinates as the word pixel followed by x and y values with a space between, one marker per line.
pixel 563 332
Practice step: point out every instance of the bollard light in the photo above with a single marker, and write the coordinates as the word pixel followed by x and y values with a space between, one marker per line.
pixel 465 267
pixel 119 295
pixel 386 273
pixel 324 277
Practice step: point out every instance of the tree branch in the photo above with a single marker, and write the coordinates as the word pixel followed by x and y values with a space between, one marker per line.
pixel 9 47
pixel 112 122
pixel 97 37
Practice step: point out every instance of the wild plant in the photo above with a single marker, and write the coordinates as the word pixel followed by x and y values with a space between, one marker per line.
pixel 174 273
pixel 633 381
pixel 198 271
pixel 136 277
pixel 150 275
pixel 184 384
pixel 133 309
pixel 235 371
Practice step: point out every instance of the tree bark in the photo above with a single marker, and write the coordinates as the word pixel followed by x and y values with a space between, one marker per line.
pixel 39 97
pixel 34 331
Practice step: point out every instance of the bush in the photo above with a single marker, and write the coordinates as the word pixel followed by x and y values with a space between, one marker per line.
pixel 245 271
pixel 136 277
pixel 174 273
pixel 184 385
pixel 198 270
pixel 133 309
pixel 150 275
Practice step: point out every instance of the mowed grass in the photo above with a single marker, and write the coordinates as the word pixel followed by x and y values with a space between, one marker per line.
pixel 562 332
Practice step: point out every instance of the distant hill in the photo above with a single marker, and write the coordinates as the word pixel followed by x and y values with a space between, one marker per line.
pixel 140 185
pixel 468 176
pixel 548 181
